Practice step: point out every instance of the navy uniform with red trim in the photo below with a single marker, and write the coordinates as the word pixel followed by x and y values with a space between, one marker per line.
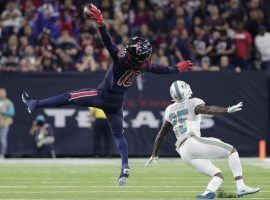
pixel 128 63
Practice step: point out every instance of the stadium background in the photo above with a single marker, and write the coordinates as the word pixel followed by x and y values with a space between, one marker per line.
pixel 48 47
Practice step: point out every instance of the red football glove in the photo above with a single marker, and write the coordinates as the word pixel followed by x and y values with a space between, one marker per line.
pixel 94 13
pixel 185 65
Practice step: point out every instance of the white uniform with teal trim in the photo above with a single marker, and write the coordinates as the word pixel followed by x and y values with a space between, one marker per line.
pixel 183 118
pixel 193 148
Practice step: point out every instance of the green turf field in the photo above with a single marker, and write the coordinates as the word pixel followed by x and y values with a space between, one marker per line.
pixel 66 179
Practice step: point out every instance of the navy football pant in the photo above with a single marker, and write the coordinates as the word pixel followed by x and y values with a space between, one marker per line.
pixel 111 104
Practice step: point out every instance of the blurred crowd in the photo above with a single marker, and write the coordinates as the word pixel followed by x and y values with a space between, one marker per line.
pixel 53 35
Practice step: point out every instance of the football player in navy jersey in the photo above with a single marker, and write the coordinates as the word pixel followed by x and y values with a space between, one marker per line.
pixel 128 63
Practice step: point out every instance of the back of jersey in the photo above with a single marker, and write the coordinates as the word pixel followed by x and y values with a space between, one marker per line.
pixel 184 119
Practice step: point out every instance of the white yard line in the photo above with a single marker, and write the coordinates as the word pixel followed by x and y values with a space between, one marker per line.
pixel 156 198
pixel 264 165
pixel 87 161
pixel 101 186
pixel 87 198
pixel 160 179
pixel 107 191
pixel 61 161
pixel 107 186
pixel 101 183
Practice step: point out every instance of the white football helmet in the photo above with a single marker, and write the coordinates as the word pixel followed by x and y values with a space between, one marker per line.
pixel 180 91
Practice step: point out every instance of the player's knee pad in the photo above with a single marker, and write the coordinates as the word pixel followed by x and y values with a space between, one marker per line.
pixel 220 175
pixel 205 166
pixel 212 170
pixel 117 134
pixel 233 150
pixel 67 95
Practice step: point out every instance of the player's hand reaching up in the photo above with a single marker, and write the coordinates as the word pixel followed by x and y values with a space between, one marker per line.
pixel 185 65
pixel 152 159
pixel 235 108
pixel 92 12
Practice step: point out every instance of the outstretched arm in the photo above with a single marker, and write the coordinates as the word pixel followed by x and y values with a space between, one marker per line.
pixel 92 12
pixel 180 67
pixel 166 127
pixel 111 47
pixel 216 110
pixel 157 69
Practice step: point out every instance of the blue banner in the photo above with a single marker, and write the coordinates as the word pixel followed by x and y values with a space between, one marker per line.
pixel 143 111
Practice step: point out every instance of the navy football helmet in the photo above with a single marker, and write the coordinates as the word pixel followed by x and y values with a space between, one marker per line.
pixel 139 48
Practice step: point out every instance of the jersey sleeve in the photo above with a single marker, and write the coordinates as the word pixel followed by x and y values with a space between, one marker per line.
pixel 106 38
pixel 157 69
pixel 195 102
pixel 167 114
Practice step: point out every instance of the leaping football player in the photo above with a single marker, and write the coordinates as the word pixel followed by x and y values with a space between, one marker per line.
pixel 184 117
pixel 131 61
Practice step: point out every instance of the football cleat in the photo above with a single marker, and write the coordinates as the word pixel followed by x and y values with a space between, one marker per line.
pixel 123 178
pixel 209 195
pixel 31 104
pixel 247 190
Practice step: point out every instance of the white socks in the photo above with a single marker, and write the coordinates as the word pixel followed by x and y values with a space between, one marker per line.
pixel 214 184
pixel 235 164
pixel 236 168
pixel 240 184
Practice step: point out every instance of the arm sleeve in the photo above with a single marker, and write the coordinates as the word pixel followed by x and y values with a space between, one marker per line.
pixel 196 102
pixel 157 69
pixel 112 48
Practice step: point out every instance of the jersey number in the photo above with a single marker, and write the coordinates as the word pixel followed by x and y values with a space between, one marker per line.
pixel 127 78
pixel 179 117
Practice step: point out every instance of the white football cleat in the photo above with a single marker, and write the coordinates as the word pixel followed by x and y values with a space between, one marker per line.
pixel 123 178
pixel 247 190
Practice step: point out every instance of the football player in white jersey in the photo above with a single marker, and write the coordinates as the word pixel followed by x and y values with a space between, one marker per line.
pixel 184 116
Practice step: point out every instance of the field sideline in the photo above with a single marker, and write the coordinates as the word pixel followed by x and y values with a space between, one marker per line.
pixel 83 179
